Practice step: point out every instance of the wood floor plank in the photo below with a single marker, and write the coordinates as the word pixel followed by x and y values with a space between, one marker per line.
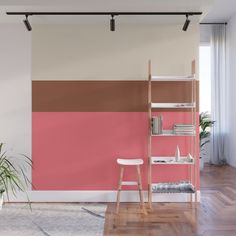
pixel 214 216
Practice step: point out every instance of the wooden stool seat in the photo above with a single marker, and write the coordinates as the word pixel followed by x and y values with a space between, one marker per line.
pixel 130 162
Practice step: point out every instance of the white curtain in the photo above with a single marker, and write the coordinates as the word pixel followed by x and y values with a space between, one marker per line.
pixel 219 95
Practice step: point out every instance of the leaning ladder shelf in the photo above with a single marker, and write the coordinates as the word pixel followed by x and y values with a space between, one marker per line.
pixel 182 187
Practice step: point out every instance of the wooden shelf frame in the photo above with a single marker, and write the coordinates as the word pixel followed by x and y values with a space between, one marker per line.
pixel 191 105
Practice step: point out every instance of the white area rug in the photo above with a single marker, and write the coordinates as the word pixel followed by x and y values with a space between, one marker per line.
pixel 52 219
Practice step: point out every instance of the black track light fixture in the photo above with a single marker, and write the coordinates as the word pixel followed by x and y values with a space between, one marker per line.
pixel 112 14
pixel 186 23
pixel 112 23
pixel 27 24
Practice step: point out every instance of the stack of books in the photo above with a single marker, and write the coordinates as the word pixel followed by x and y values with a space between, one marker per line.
pixel 184 129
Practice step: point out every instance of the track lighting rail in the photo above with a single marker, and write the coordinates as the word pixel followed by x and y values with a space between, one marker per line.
pixel 112 14
pixel 105 13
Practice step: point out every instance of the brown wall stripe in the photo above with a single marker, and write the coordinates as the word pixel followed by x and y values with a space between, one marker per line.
pixel 102 96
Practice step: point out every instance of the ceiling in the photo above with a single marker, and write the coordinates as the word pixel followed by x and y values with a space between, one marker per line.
pixel 213 10
pixel 221 11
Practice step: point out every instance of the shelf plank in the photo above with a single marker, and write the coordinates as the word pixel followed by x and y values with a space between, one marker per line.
pixel 170 161
pixel 172 78
pixel 171 133
pixel 172 105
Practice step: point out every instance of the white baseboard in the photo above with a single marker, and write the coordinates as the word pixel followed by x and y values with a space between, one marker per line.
pixel 99 196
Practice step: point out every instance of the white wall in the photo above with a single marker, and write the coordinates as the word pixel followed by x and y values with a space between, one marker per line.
pixel 15 88
pixel 231 35
pixel 74 52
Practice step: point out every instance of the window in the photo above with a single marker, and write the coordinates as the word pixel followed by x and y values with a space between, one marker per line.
pixel 205 78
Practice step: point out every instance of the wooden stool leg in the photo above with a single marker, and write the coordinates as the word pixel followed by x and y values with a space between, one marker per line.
pixel 140 188
pixel 119 189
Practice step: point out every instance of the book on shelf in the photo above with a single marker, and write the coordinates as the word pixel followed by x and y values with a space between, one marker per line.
pixel 184 126
pixel 184 129
pixel 157 125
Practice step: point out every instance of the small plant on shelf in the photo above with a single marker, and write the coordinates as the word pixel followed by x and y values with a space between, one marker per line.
pixel 12 173
pixel 205 124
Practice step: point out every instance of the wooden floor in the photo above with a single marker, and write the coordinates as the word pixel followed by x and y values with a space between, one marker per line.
pixel 214 216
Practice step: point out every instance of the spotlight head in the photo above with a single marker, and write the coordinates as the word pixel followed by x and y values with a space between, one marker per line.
pixel 112 23
pixel 186 23
pixel 27 24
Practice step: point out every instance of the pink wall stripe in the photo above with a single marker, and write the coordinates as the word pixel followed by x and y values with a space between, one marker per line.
pixel 78 150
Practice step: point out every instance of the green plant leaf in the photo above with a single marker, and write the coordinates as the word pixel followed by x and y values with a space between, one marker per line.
pixel 204 123
pixel 12 176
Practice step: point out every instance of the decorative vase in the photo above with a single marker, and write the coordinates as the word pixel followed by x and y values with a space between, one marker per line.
pixel 177 154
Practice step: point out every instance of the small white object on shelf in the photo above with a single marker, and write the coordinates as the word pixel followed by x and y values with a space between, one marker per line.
pixel 177 154
pixel 189 158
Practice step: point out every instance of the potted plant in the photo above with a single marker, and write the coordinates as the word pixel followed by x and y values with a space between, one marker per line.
pixel 205 124
pixel 12 173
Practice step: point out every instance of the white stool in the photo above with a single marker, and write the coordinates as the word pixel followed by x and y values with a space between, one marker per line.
pixel 129 162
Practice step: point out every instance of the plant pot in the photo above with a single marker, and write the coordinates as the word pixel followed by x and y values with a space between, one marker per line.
pixel 201 164
pixel 1 201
